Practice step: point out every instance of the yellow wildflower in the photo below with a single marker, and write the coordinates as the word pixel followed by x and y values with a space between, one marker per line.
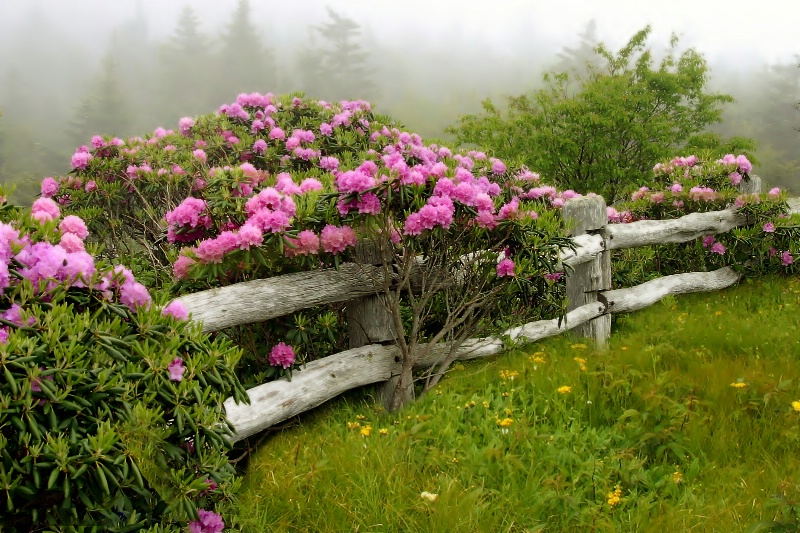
pixel 624 348
pixel 486 404
pixel 353 425
pixel 504 423
pixel 360 417
pixel 366 431
pixel 615 498
pixel 564 389
pixel 505 394
pixel 677 477
pixel 383 432
pixel 796 405
pixel 581 361
pixel 469 405
pixel 508 374
pixel 739 385
pixel 578 346
pixel 431 497
pixel 718 313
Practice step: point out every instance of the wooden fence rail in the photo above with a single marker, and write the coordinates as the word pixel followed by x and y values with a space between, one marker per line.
pixel 591 303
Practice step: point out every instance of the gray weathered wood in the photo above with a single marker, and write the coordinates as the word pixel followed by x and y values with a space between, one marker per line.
pixel 369 320
pixel 587 247
pixel 316 383
pixel 750 187
pixel 324 379
pixel 259 300
pixel 686 228
pixel 646 294
pixel 589 214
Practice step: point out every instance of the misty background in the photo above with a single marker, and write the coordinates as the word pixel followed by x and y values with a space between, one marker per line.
pixel 70 70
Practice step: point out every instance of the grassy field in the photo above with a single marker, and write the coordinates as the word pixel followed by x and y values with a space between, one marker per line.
pixel 686 423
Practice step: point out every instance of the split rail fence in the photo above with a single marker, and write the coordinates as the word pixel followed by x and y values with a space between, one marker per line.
pixel 590 297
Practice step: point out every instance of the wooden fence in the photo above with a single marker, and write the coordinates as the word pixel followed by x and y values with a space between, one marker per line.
pixel 591 304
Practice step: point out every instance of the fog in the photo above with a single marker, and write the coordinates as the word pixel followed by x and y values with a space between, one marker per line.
pixel 69 70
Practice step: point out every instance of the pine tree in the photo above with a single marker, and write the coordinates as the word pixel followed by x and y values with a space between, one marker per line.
pixel 243 64
pixel 336 69
pixel 104 110
pixel 184 74
pixel 577 59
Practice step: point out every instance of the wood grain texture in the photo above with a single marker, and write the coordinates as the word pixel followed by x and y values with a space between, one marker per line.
pixel 686 228
pixel 259 300
pixel 646 294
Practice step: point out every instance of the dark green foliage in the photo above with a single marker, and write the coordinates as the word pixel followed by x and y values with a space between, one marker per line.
pixel 93 430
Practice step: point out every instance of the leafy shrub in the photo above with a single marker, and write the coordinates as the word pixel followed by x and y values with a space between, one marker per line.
pixel 767 244
pixel 600 131
pixel 276 185
pixel 110 407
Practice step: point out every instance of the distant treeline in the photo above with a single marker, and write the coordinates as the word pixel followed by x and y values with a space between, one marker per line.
pixel 54 95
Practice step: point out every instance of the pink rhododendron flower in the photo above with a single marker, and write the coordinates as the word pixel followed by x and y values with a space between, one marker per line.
pixel 80 160
pixel 735 178
pixel 325 129
pixel 182 265
pixel 71 242
pixel 553 276
pixel 641 193
pixel 185 125
pixel 774 192
pixel 744 165
pixel 505 268
pixel 45 209
pixel 90 186
pixel 786 258
pixel 200 155
pixel 210 522
pixel 248 236
pixel 282 355
pixel 176 369
pixel 188 213
pixel 310 184
pixel 74 224
pixel 769 227
pixel 268 220
pixel 676 188
pixel 49 187
pixel 718 248
pixel 306 243
pixel 498 167
pixel 260 146
pixel 336 239
pixel 134 294
pixel 176 309
pixel 277 133
pixel 708 240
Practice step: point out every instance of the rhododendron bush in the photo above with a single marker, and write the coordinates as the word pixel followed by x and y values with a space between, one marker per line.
pixel 272 185
pixel 683 185
pixel 110 404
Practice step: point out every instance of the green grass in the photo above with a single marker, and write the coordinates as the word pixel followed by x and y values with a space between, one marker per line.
pixel 656 414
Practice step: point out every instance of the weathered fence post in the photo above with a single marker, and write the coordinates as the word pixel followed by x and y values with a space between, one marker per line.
pixel 750 187
pixel 588 214
pixel 369 320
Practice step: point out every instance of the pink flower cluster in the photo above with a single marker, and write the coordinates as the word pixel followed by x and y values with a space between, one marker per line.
pixel 210 522
pixel 187 221
pixel 282 355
